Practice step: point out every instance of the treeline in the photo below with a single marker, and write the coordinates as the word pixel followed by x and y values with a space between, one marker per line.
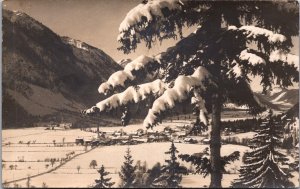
pixel 245 125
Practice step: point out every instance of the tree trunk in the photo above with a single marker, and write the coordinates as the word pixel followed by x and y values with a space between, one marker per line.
pixel 215 143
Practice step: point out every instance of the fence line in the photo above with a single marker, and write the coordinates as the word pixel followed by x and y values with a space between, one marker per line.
pixel 49 171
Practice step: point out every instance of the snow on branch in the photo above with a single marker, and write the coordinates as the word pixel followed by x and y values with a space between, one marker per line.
pixel 131 94
pixel 251 58
pixel 235 71
pixel 278 55
pixel 199 102
pixel 253 32
pixel 180 91
pixel 128 74
pixel 147 10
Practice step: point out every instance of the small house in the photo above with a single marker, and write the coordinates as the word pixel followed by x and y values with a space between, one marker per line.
pixel 181 134
pixel 190 140
pixel 206 141
pixel 79 141
pixel 65 125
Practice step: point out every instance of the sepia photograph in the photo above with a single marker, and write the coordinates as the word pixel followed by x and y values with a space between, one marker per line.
pixel 150 94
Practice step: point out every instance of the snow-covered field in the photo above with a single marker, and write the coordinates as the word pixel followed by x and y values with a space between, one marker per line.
pixel 32 159
pixel 110 156
pixel 40 135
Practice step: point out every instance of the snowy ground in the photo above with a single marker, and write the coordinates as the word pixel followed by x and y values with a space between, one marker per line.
pixel 40 135
pixel 110 156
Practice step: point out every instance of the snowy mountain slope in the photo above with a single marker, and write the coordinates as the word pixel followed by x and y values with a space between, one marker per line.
pixel 44 74
pixel 279 99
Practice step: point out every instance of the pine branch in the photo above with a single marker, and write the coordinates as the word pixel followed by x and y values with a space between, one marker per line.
pixel 142 69
pixel 182 87
pixel 130 95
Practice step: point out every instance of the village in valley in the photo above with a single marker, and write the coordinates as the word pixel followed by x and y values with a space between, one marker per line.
pixel 216 106
pixel 76 148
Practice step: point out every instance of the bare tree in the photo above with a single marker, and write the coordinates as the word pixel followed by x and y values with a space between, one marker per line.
pixel 11 167
pixel 28 181
pixel 93 164
pixel 52 161
pixel 44 185
pixel 63 141
pixel 78 168
pixel 16 185
pixel 5 184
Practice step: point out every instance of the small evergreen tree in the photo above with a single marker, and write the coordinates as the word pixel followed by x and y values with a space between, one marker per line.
pixel 198 127
pixel 262 164
pixel 103 182
pixel 172 172
pixel 127 174
pixel 153 174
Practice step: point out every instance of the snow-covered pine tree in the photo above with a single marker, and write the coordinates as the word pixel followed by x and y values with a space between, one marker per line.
pixel 103 182
pixel 261 167
pixel 127 174
pixel 233 39
pixel 171 173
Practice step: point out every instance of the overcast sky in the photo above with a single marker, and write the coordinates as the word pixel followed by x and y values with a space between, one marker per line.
pixel 95 22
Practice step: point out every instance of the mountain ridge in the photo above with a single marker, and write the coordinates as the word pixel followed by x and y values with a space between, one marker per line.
pixel 45 74
pixel 279 98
